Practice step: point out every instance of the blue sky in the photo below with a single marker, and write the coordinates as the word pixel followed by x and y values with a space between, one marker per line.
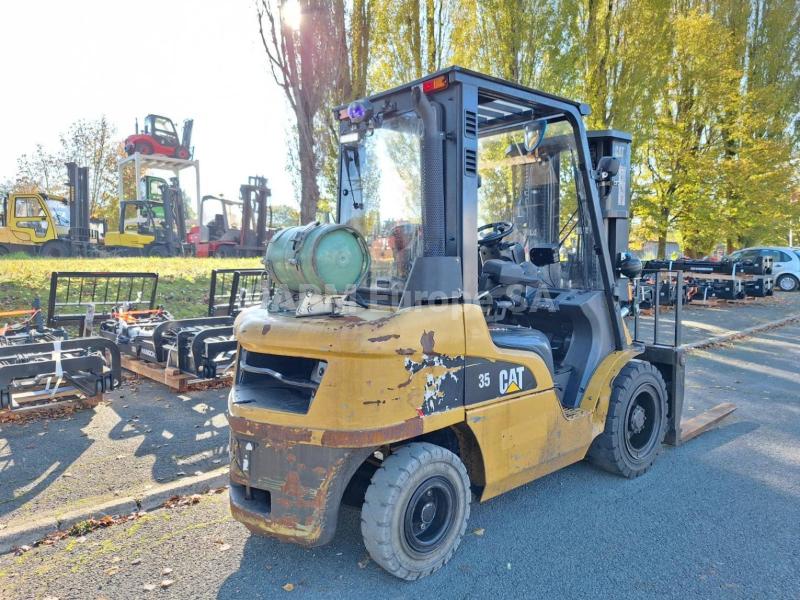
pixel 64 61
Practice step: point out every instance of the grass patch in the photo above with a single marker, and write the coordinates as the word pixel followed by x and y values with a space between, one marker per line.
pixel 182 283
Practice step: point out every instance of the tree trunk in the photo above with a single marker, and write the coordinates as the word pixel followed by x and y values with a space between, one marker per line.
pixel 663 231
pixel 430 35
pixel 309 189
pixel 662 246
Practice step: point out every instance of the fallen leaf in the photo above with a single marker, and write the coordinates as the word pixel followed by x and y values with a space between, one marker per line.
pixel 480 531
pixel 224 547
pixel 288 587
pixel 136 561
pixel 148 587
pixel 112 571
pixel 165 583
pixel 362 564
pixel 166 571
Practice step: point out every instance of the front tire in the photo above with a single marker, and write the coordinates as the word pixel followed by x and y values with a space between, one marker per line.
pixel 55 249
pixel 636 422
pixel 788 283
pixel 225 251
pixel 415 510
pixel 158 252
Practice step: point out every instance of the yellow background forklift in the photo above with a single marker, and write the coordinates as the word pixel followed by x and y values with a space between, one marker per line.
pixel 44 224
pixel 457 333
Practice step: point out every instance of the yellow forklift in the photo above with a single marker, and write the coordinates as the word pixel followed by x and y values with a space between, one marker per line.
pixel 457 333
pixel 154 225
pixel 48 225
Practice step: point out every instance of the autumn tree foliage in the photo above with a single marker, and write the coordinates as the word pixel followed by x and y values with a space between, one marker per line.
pixel 88 142
pixel 710 90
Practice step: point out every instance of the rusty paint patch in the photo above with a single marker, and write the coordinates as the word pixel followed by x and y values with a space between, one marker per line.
pixel 360 438
pixel 405 351
pixel 274 433
pixel 278 435
pixel 428 342
pixel 384 338
pixel 265 329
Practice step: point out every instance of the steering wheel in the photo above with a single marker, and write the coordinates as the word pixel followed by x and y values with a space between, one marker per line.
pixel 499 230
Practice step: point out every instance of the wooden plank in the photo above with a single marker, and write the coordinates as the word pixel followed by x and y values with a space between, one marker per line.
pixel 719 276
pixel 701 423
pixel 169 377
pixel 709 303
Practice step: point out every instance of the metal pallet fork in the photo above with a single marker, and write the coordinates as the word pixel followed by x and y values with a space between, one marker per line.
pixel 47 375
pixel 665 349
pixel 175 352
pixel 232 290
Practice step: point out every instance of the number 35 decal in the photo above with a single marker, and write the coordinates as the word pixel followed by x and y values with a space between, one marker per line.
pixel 484 380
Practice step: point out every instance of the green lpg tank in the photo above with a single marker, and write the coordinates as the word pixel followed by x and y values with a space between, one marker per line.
pixel 327 258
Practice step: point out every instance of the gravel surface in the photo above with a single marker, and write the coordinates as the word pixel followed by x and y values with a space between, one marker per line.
pixel 716 518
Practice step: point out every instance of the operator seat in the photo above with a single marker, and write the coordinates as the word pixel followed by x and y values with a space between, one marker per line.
pixel 513 337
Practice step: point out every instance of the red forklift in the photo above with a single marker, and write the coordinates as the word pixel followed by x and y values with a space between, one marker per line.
pixel 229 228
pixel 160 136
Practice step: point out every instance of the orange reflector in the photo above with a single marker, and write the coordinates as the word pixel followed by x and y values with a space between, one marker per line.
pixel 436 84
pixel 343 114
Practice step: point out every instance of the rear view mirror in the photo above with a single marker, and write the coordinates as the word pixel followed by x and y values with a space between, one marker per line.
pixel 534 134
pixel 607 167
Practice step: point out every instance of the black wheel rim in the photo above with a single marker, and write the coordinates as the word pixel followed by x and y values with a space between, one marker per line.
pixel 642 423
pixel 429 515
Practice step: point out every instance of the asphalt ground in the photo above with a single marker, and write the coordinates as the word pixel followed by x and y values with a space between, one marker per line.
pixel 715 518
pixel 702 322
pixel 145 434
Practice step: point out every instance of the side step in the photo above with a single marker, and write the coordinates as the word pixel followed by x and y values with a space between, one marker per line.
pixel 691 428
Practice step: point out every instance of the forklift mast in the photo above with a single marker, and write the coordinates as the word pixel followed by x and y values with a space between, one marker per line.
pixel 255 196
pixel 186 137
pixel 174 217
pixel 79 229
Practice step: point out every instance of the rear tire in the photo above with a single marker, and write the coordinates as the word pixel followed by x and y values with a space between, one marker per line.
pixel 225 251
pixel 788 283
pixel 55 249
pixel 415 510
pixel 636 422
pixel 158 252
